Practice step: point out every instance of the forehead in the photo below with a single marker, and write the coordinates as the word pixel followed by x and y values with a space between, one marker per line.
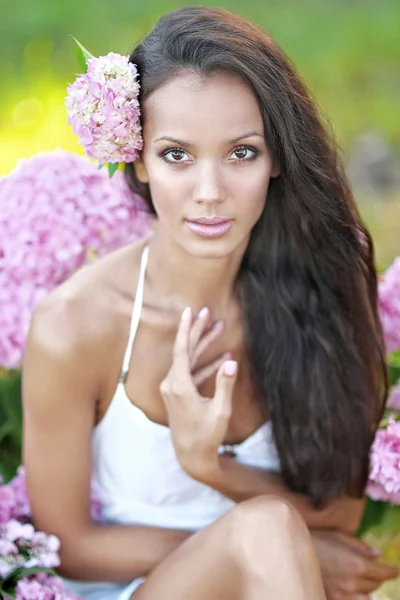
pixel 191 105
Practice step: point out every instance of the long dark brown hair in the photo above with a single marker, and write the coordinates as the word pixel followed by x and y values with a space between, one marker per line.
pixel 308 281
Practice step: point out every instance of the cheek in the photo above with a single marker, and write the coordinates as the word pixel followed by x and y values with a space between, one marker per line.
pixel 251 192
pixel 170 202
pixel 167 189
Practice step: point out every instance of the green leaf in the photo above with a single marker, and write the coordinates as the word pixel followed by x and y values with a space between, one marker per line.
pixel 11 406
pixel 8 587
pixel 5 430
pixel 9 584
pixel 7 595
pixel 83 55
pixel 112 168
pixel 85 52
pixel 374 514
pixel 81 61
pixel 10 460
pixel 394 367
pixel 21 572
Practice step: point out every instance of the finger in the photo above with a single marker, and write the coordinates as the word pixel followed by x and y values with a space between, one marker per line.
pixel 226 378
pixel 205 372
pixel 367 586
pixel 181 371
pixel 360 546
pixel 380 571
pixel 197 329
pixel 207 339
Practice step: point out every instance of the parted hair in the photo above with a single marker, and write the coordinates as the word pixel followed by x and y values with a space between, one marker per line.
pixel 307 282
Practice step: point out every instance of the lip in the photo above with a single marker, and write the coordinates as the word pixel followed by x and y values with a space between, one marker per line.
pixel 214 227
pixel 210 220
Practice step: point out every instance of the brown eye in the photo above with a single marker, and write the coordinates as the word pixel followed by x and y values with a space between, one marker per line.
pixel 173 155
pixel 177 154
pixel 245 153
pixel 241 153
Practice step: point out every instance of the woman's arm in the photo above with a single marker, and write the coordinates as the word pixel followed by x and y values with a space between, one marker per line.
pixel 61 373
pixel 240 482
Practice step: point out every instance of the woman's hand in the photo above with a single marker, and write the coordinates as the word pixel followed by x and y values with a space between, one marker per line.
pixel 198 424
pixel 350 569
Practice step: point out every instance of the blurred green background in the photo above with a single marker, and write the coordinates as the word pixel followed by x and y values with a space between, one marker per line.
pixel 347 50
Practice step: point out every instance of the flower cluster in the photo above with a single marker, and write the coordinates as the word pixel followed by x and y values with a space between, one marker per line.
pixel 389 305
pixel 22 546
pixel 43 587
pixel 104 110
pixel 57 212
pixel 384 480
pixel 14 502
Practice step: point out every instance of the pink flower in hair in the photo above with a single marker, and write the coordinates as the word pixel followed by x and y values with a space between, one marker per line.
pixel 104 110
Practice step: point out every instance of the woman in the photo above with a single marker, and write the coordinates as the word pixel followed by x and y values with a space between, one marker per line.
pixel 246 327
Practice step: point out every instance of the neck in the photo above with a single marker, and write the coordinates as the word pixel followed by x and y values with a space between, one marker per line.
pixel 179 279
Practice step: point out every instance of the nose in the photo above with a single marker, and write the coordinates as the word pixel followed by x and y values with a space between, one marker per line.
pixel 210 188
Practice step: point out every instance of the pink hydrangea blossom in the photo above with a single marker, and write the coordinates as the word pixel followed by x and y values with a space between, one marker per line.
pixel 10 558
pixel 384 480
pixel 389 305
pixel 104 110
pixel 58 211
pixel 43 587
pixel 14 503
pixel 31 549
pixel 22 546
pixel 14 530
pixel 394 397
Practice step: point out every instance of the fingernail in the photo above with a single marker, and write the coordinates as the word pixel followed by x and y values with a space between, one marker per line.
pixel 376 551
pixel 204 312
pixel 230 367
pixel 218 324
pixel 186 314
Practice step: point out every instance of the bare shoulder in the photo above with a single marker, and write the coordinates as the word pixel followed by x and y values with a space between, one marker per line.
pixel 73 335
pixel 79 321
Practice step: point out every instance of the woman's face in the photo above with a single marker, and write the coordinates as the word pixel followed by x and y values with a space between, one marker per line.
pixel 205 157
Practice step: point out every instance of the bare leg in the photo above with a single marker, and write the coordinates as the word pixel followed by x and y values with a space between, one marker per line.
pixel 261 550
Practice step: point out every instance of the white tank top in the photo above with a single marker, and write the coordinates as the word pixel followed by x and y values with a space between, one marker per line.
pixel 135 468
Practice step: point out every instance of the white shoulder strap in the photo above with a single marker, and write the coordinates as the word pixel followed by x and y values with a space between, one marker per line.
pixel 136 312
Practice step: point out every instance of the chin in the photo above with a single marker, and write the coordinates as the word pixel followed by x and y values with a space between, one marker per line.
pixel 219 247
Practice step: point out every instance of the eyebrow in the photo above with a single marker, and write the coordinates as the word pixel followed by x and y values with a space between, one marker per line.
pixel 183 143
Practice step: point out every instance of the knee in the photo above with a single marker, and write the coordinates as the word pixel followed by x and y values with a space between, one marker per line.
pixel 267 526
pixel 264 516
